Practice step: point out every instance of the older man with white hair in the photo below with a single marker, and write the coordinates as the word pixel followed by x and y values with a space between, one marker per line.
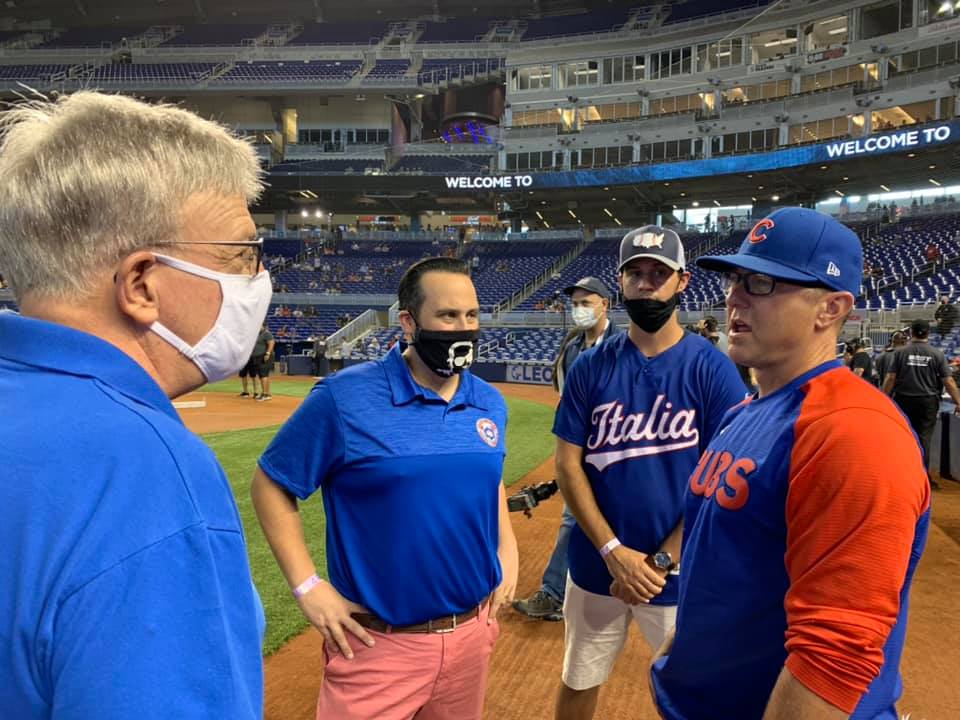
pixel 125 235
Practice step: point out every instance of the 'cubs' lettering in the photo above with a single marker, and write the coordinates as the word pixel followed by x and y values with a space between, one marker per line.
pixel 717 475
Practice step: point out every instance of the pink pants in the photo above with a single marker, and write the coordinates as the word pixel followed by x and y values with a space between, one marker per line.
pixel 433 676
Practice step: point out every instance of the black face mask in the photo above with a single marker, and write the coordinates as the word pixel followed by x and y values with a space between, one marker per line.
pixel 651 315
pixel 446 352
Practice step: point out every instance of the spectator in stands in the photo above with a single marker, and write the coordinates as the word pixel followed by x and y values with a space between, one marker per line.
pixel 373 347
pixel 932 253
pixel 297 313
pixel 946 316
pixel 123 548
pixel 412 553
pixel 861 363
pixel 590 301
pixel 917 377
pixel 882 363
pixel 313 285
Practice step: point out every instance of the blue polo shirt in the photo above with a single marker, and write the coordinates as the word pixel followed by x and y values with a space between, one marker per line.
pixel 410 485
pixel 126 587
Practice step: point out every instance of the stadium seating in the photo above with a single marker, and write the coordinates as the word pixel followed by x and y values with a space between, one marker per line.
pixel 385 69
pixel 354 33
pixel 458 30
pixel 31 72
pixel 443 164
pixel 216 35
pixel 597 21
pixel 91 37
pixel 165 72
pixel 698 8
pixel 292 72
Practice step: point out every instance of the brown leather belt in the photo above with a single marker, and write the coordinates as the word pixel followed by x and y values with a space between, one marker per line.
pixel 445 624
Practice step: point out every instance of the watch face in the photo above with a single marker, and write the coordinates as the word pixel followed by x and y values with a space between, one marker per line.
pixel 663 560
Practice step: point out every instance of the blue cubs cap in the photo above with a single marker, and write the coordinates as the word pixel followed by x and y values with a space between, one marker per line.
pixel 800 245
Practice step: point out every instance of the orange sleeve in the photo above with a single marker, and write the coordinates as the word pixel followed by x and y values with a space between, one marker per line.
pixel 857 490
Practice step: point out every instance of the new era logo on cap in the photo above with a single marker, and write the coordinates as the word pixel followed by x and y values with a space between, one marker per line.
pixel 833 270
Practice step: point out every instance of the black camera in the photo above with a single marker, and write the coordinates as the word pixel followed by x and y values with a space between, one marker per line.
pixel 530 496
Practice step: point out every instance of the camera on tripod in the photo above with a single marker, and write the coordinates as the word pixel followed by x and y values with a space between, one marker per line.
pixel 530 496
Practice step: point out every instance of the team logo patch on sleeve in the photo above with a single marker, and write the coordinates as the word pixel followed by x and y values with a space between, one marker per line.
pixel 487 429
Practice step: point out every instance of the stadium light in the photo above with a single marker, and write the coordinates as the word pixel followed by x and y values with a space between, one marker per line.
pixel 318 213
pixel 775 198
pixel 695 203
pixel 885 187
pixel 304 212
pixel 617 222
pixel 935 182
pixel 839 193
pixel 572 214
pixel 610 214
pixel 716 203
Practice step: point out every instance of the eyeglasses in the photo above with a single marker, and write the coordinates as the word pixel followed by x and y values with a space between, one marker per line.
pixel 254 257
pixel 758 284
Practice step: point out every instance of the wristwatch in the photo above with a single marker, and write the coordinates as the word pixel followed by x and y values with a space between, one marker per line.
pixel 663 560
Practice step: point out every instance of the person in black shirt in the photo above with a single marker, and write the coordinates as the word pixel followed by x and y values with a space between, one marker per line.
pixel 916 379
pixel 946 316
pixel 882 363
pixel 861 363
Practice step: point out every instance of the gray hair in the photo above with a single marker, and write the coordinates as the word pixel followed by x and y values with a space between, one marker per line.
pixel 88 178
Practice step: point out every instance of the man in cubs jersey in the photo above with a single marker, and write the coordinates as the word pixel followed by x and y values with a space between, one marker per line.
pixel 800 539
pixel 636 413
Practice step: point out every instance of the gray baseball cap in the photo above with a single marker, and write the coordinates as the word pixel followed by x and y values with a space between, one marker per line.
pixel 590 284
pixel 653 241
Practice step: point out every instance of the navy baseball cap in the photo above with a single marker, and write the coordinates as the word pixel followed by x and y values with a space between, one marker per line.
pixel 590 284
pixel 653 241
pixel 801 245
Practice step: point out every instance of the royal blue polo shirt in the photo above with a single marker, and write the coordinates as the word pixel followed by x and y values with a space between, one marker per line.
pixel 126 587
pixel 410 485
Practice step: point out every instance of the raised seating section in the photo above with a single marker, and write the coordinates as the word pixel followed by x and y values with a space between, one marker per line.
pixel 336 165
pixel 292 72
pixel 386 69
pixel 443 164
pixel 91 37
pixel 315 320
pixel 456 30
pixel 354 33
pixel 592 22
pixel 31 72
pixel 440 69
pixel 697 8
pixel 239 34
pixel 505 267
pixel 153 72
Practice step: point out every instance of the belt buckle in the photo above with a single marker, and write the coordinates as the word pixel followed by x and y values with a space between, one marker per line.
pixel 441 631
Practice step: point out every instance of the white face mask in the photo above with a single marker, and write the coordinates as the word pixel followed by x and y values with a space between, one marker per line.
pixel 227 347
pixel 583 317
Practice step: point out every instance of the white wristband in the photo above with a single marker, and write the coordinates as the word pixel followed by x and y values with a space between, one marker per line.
pixel 609 547
pixel 306 586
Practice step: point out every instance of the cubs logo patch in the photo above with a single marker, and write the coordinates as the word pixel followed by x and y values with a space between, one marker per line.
pixel 487 429
pixel 759 232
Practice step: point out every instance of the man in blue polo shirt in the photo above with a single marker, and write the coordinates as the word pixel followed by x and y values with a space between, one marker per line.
pixel 126 589
pixel 408 453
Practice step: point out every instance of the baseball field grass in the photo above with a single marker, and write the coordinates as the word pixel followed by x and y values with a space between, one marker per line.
pixel 529 443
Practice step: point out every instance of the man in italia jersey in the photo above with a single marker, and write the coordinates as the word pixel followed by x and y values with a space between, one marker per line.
pixel 800 538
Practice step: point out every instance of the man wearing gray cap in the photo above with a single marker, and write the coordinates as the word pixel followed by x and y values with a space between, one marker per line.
pixel 590 300
pixel 635 415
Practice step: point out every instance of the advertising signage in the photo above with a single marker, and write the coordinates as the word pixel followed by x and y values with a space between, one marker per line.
pixel 877 144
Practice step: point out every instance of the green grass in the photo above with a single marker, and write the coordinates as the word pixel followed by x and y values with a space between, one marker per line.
pixel 529 443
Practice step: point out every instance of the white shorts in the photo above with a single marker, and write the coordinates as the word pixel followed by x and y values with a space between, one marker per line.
pixel 596 628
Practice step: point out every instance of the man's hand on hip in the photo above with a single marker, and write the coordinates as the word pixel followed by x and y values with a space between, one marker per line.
pixel 330 613
pixel 634 580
